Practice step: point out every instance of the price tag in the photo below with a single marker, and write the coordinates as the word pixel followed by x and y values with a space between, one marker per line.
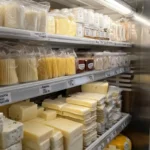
pixel 5 98
pixel 112 73
pixel 39 34
pixel 107 74
pixel 71 83
pixel 99 148
pixel 91 77
pixel 45 89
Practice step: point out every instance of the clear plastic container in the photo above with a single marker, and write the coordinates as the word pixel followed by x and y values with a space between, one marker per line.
pixel 98 61
pixel 27 66
pixel 79 14
pixel 2 2
pixel 101 21
pixel 8 74
pixel 31 16
pixel 50 24
pixel 96 20
pixel 106 60
pixel 91 17
pixel 79 30
pixel 43 8
pixel 86 17
pixel 14 14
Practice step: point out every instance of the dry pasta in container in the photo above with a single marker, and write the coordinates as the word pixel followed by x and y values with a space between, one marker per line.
pixel 14 14
pixel 27 66
pixel 50 24
pixel 43 8
pixel 31 16
pixel 2 2
pixel 70 62
pixel 8 74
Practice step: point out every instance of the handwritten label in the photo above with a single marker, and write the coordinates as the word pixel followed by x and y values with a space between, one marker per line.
pixel 5 98
pixel 45 89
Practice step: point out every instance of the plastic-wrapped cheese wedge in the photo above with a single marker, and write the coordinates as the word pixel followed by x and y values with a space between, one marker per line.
pixel 48 115
pixel 96 87
pixel 75 109
pixel 13 130
pixel 23 111
pixel 75 116
pixel 35 146
pixel 16 146
pixel 56 104
pixel 55 72
pixel 37 132
pixel 14 14
pixel 81 102
pixel 8 73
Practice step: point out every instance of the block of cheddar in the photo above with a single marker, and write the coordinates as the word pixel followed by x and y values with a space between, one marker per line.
pixel 48 115
pixel 37 132
pixel 40 110
pixel 71 130
pixel 75 109
pixel 23 111
pixel 96 87
pixel 81 102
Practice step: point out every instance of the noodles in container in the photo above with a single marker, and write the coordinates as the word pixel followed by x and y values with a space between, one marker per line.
pixel 26 66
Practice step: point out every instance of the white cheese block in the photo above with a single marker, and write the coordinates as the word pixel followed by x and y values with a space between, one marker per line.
pixel 70 129
pixel 56 104
pixel 34 146
pixel 11 134
pixel 96 87
pixel 75 109
pixel 81 102
pixel 23 111
pixel 48 115
pixel 17 146
pixel 37 132
pixel 79 117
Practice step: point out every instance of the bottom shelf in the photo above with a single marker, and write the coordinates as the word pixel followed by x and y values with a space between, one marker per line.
pixel 110 134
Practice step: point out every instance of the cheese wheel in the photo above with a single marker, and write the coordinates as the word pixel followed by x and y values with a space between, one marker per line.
pixel 8 73
pixel 27 69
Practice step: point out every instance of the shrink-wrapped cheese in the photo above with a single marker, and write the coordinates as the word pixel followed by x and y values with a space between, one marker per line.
pixel 8 73
pixel 1 13
pixel 43 8
pixel 50 24
pixel 14 14
pixel 70 65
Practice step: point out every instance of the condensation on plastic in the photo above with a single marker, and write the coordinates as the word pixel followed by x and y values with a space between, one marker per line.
pixel 14 14
pixel 79 14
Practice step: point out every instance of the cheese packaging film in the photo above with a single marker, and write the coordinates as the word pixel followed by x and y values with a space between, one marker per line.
pixel 43 8
pixel 14 14
pixel 56 104
pixel 23 111
pixel 36 132
pixel 34 146
pixel 48 115
pixel 96 87
pixel 50 24
pixel 81 102
pixel 12 133
pixel 75 109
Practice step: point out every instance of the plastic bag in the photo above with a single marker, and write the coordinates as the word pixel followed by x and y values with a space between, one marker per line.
pixel 14 14
pixel 31 16
pixel 43 8
pixel 98 61
pixel 50 24
pixel 79 14
pixel 26 66
pixel 8 75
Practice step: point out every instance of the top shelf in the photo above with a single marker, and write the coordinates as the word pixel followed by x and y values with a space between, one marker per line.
pixel 17 34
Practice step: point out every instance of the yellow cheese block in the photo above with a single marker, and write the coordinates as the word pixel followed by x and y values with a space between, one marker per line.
pixel 34 146
pixel 40 110
pixel 61 65
pixel 96 87
pixel 50 24
pixel 39 120
pixel 56 104
pixel 23 111
pixel 37 132
pixel 70 129
pixel 79 117
pixel 81 102
pixel 75 109
pixel 48 115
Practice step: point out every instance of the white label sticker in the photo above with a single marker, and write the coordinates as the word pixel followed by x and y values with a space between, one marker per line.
pixel 5 98
pixel 45 89
pixel 90 65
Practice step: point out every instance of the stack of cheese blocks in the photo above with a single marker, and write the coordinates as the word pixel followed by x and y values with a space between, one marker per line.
pixel 102 89
pixel 75 113
pixel 101 113
pixel 37 135
pixel 11 134
pixel 90 125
